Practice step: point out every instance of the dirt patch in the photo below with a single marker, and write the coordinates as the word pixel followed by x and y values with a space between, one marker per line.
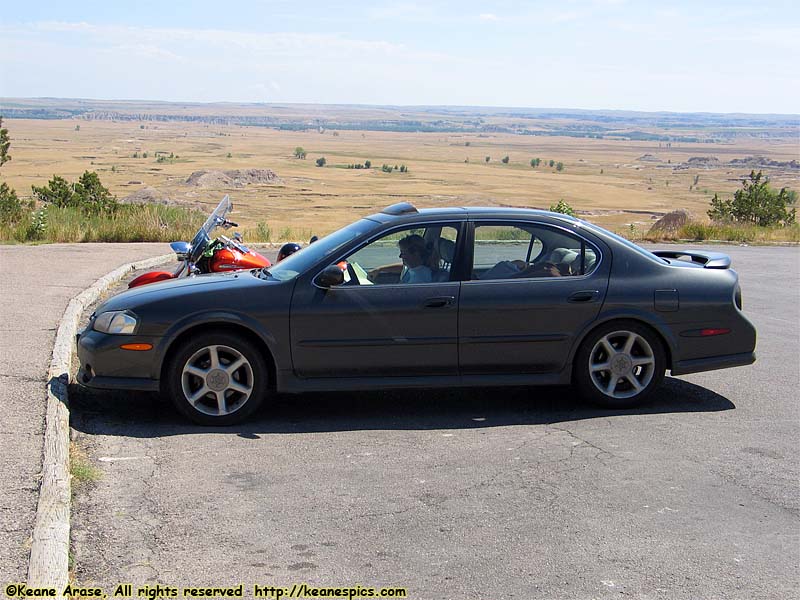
pixel 233 178
pixel 147 195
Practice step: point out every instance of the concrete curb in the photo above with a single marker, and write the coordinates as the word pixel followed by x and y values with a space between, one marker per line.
pixel 49 559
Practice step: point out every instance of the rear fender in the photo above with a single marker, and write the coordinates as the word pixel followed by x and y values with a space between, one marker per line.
pixel 151 277
pixel 645 318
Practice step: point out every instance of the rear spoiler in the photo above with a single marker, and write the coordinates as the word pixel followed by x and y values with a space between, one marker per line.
pixel 709 260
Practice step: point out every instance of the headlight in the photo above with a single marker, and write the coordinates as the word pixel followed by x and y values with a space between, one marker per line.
pixel 115 321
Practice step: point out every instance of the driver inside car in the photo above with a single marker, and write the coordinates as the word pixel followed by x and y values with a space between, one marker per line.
pixel 415 255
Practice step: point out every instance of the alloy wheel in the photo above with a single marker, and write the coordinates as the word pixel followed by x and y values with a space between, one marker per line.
pixel 217 380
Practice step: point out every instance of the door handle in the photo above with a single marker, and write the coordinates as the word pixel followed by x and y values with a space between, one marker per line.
pixel 439 302
pixel 584 296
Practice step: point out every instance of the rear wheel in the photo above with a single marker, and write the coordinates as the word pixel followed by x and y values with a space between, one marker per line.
pixel 620 364
pixel 217 378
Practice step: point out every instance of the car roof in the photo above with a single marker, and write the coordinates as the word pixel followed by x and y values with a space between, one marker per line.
pixel 405 211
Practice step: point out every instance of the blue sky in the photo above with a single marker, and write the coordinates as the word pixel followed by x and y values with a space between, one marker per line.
pixel 714 56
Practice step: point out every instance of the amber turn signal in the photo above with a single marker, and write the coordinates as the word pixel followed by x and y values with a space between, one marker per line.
pixel 139 347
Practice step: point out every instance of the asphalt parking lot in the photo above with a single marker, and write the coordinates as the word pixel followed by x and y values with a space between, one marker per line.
pixel 38 283
pixel 488 493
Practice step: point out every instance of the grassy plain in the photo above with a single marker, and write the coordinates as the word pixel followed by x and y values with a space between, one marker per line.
pixel 603 179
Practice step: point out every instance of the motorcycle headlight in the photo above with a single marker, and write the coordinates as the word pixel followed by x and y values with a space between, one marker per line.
pixel 115 321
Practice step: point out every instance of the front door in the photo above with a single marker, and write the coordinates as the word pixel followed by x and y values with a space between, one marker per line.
pixel 394 315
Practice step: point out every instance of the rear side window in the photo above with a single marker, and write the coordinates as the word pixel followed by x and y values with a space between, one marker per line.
pixel 523 250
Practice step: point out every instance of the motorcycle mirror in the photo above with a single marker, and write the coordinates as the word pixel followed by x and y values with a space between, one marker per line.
pixel 331 276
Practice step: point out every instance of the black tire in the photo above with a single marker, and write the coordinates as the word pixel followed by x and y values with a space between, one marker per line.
pixel 235 389
pixel 631 376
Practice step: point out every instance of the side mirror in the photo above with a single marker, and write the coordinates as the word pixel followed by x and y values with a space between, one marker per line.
pixel 331 276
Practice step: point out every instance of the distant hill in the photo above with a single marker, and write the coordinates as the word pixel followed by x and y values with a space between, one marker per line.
pixel 599 124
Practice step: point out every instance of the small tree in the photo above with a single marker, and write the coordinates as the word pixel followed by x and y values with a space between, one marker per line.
pixel 559 166
pixel 367 164
pixel 321 161
pixel 563 208
pixel 57 192
pixel 299 152
pixel 88 194
pixel 5 144
pixel 552 162
pixel 11 211
pixel 505 159
pixel 756 203
pixel 488 158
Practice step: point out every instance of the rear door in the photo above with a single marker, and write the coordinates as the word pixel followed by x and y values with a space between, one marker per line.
pixel 532 288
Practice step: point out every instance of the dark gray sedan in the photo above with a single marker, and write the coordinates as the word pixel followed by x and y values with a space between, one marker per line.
pixel 419 298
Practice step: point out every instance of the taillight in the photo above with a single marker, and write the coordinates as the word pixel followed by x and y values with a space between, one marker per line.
pixel 705 332
pixel 708 332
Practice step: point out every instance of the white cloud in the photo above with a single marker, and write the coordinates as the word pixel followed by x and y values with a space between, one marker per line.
pixel 488 17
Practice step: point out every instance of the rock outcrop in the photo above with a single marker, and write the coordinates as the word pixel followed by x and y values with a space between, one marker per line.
pixel 232 178
pixel 672 222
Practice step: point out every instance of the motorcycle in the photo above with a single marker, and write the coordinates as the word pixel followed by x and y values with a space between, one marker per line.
pixel 204 255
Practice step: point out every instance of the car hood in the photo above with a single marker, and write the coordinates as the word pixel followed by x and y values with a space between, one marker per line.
pixel 176 289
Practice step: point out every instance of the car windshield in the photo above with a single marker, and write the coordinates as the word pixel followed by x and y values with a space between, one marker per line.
pixel 294 264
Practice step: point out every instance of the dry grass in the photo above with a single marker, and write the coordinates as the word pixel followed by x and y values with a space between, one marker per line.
pixel 318 200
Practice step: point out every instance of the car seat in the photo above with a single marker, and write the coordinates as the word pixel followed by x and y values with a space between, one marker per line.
pixel 447 250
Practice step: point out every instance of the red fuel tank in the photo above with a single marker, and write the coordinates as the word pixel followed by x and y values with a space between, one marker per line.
pixel 231 259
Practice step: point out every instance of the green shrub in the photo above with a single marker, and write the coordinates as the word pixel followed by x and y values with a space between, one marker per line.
pixel 87 194
pixel 756 203
pixel 11 209
pixel 563 208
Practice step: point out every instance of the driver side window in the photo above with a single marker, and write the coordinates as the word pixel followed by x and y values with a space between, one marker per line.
pixel 405 256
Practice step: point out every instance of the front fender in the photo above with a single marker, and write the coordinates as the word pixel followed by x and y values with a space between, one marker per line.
pixel 207 320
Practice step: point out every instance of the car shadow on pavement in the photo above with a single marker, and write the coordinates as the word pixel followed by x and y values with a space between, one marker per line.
pixel 146 415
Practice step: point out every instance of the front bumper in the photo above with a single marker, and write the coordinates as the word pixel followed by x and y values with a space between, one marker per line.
pixel 104 365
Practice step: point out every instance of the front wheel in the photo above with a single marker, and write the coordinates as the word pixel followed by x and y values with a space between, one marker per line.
pixel 619 365
pixel 217 379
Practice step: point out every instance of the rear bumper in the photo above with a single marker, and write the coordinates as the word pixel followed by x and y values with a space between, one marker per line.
pixel 697 365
